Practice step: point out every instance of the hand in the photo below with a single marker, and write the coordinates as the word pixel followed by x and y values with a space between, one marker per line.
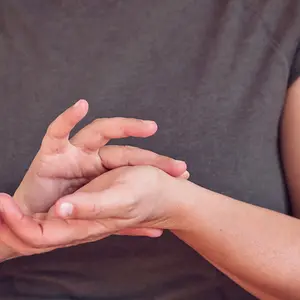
pixel 62 166
pixel 125 198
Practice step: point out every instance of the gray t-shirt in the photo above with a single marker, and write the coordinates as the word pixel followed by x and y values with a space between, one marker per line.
pixel 212 73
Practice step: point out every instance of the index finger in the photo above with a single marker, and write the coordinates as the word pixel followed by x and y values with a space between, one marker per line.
pixel 58 132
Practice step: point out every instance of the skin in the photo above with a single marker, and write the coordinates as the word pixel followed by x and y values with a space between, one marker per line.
pixel 261 254
pixel 291 145
pixel 63 165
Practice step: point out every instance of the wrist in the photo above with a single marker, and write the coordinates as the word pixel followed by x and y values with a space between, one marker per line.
pixel 181 195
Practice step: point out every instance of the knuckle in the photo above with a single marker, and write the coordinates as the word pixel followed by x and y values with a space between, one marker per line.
pixel 99 127
pixel 149 156
pixel 126 153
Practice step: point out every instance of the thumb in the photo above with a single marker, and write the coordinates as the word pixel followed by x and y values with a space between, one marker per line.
pixel 111 203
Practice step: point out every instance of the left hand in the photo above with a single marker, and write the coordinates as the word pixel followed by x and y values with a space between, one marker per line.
pixel 124 198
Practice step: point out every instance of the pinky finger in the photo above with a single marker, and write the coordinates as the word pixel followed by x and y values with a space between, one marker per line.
pixel 185 175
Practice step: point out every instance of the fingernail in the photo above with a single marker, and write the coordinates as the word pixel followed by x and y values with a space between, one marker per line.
pixel 157 233
pixel 186 174
pixel 180 162
pixel 78 102
pixel 66 209
pixel 150 123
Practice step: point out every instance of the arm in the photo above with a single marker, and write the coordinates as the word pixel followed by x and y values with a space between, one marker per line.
pixel 257 248
pixel 291 145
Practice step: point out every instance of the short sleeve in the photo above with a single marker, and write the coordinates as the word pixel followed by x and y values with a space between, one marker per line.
pixel 295 67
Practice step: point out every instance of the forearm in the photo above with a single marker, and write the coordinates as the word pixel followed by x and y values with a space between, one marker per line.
pixel 257 248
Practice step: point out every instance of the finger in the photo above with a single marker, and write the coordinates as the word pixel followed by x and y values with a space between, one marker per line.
pixel 38 234
pixel 58 132
pixel 148 232
pixel 12 217
pixel 185 175
pixel 110 203
pixel 113 157
pixel 108 207
pixel 98 133
pixel 16 245
pixel 17 222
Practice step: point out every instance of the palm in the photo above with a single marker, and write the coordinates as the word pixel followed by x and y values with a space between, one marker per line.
pixel 73 163
pixel 63 173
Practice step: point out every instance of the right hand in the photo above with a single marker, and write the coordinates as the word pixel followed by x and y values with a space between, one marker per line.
pixel 23 235
pixel 62 166
pixel 20 235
